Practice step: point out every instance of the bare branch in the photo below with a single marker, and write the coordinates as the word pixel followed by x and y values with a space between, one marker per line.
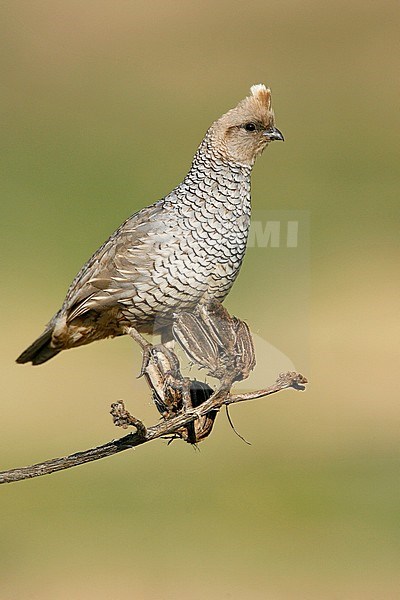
pixel 291 379
pixel 167 427
pixel 212 339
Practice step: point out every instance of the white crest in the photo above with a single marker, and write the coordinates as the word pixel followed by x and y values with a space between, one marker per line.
pixel 262 93
pixel 259 88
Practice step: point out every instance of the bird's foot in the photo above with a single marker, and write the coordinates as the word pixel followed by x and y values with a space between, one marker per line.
pixel 161 368
pixel 161 358
pixel 173 394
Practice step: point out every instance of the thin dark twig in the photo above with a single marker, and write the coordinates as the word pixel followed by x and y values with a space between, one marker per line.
pixel 142 435
pixel 233 426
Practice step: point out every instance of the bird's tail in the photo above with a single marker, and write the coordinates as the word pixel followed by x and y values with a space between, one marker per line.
pixel 40 351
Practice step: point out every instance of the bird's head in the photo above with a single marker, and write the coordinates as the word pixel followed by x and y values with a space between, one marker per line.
pixel 242 133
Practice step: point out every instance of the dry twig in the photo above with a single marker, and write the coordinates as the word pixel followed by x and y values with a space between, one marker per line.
pixel 213 340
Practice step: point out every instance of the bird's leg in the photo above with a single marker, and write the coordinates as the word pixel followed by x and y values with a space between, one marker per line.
pixel 162 372
pixel 166 363
pixel 134 334
pixel 143 343
pixel 173 393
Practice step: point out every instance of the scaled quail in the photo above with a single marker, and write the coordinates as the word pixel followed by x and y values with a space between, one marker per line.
pixel 186 248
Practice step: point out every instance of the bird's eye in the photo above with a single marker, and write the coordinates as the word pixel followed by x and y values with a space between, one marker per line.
pixel 250 127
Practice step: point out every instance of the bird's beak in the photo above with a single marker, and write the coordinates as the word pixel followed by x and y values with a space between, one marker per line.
pixel 273 134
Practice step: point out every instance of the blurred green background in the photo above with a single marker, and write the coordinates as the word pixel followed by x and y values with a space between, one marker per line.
pixel 103 106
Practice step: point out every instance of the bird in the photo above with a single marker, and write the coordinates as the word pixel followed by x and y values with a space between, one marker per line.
pixel 184 249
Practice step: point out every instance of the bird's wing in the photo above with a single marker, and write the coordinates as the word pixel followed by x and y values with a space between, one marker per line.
pixel 115 269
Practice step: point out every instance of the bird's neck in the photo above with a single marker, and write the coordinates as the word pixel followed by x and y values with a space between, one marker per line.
pixel 211 177
pixel 211 157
